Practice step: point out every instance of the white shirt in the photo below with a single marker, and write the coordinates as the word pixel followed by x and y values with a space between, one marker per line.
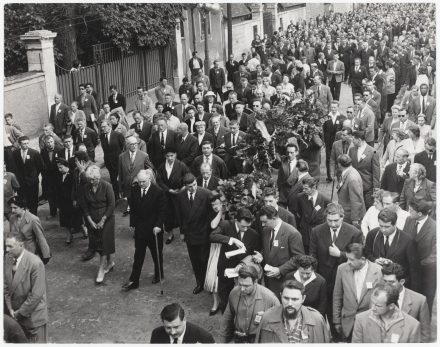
pixel 66 152
pixel 276 229
pixel 234 136
pixel 57 107
pixel 334 116
pixel 18 260
pixel 200 138
pixel 361 150
pixel 390 238
pixel 314 197
pixel 193 194
pixel 335 232
pixel 132 156
pixel 238 231
pixel 421 223
pixel 180 338
pixel 208 160
pixel 205 182
pixel 344 171
pixel 421 102
pixel 359 279
pixel 292 165
pixel 164 136
pixel 401 297
pixel 168 168
pixel 403 125
pixel 144 191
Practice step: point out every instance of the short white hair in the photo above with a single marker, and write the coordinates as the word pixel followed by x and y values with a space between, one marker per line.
pixel 93 171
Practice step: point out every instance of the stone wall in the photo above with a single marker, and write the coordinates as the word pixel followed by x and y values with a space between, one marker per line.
pixel 25 97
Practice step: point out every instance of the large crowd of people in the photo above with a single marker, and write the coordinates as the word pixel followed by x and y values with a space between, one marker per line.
pixel 356 266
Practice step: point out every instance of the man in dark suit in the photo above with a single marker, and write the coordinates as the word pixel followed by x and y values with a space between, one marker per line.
pixel 422 229
pixel 270 198
pixel 424 104
pixel 218 166
pixel 387 243
pixel 50 174
pixel 112 143
pixel 58 115
pixel 340 147
pixel 238 75
pixel 412 72
pixel 328 243
pixel 230 142
pixel 176 329
pixel 428 158
pixel 206 179
pixel 170 178
pixel 309 209
pixel 278 96
pixel 296 189
pixel 160 141
pixel 86 136
pixel 217 131
pixel 28 167
pixel 281 242
pixel 67 152
pixel 142 127
pixel 147 215
pixel 357 74
pixel 231 67
pixel 181 108
pixel 25 288
pixel 116 99
pixel 233 235
pixel 194 214
pixel 187 145
pixel 412 302
pixel 201 135
pixel 287 172
pixel 396 173
pixel 87 104
pixel 365 53
pixel 366 161
pixel 332 125
pixel 217 79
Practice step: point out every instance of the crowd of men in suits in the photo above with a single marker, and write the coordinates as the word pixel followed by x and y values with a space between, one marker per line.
pixel 361 269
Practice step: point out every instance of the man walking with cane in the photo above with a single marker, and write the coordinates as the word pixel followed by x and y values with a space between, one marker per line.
pixel 147 214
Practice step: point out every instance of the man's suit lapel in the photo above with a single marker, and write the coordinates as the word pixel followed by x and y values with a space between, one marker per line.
pixel 352 285
pixel 21 270
pixel 423 231
pixel 407 303
pixel 394 245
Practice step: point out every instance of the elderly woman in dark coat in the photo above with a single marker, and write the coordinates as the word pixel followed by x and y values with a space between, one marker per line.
pixel 97 202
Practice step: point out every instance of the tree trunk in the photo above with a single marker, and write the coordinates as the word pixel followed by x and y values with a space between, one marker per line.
pixel 65 41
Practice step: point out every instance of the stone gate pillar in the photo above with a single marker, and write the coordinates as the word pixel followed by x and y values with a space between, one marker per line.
pixel 40 57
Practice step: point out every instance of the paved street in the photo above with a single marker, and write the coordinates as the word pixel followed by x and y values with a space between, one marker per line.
pixel 81 312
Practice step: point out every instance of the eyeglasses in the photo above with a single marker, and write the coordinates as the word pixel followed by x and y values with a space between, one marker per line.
pixel 81 88
pixel 366 94
pixel 349 111
pixel 402 115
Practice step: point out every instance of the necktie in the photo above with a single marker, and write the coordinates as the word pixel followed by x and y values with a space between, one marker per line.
pixel 14 267
pixel 387 244
pixel 319 92
pixel 68 154
pixel 191 199
pixel 205 184
pixel 132 157
pixel 423 105
pixel 430 156
pixel 311 200
pixel 144 192
pixel 233 140
pixel 272 234
pixel 175 341
pixel 334 236
pixel 344 147
pixel 162 142
pixel 402 126
pixel 416 230
pixel 139 127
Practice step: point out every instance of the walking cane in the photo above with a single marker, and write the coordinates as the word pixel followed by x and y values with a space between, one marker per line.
pixel 333 190
pixel 158 261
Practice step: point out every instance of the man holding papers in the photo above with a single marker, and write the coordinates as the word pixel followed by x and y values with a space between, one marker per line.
pixel 239 241
pixel 281 242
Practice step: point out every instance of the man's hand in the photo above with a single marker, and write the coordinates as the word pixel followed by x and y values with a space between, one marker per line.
pixel 257 257
pixel 275 272
pixel 334 251
pixel 93 224
pixel 237 243
pixel 338 328
pixel 157 230
pixel 12 312
pixel 173 191
pixel 382 261
pixel 182 237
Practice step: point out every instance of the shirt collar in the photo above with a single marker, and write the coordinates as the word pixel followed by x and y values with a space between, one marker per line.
pixel 302 174
pixel 277 227
pixel 19 259
pixel 422 222
pixel 298 278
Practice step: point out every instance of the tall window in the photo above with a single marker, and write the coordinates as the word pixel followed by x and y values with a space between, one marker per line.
pixel 281 23
pixel 202 25
pixel 255 30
